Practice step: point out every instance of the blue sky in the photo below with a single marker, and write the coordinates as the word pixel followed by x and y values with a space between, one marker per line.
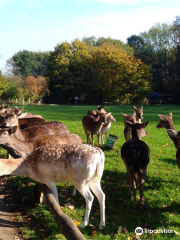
pixel 39 25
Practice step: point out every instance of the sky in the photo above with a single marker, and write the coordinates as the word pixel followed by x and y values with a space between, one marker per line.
pixel 39 25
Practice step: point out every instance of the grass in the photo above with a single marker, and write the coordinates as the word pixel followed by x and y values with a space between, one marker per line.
pixel 161 190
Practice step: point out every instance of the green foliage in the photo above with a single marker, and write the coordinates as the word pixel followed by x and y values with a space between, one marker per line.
pixel 28 63
pixel 3 83
pixel 161 190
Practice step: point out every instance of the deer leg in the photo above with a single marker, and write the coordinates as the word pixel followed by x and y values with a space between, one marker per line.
pixel 97 190
pixel 134 193
pixel 130 181
pixel 74 191
pixel 92 137
pixel 141 186
pixel 52 186
pixel 99 139
pixel 86 193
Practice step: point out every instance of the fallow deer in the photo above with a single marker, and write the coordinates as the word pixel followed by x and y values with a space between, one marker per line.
pixel 7 137
pixel 94 112
pixel 127 130
pixel 139 114
pixel 83 165
pixel 175 136
pixel 31 132
pixel 167 123
pixel 136 156
pixel 105 127
pixel 92 125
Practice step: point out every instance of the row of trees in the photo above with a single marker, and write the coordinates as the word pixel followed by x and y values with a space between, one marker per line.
pixel 98 70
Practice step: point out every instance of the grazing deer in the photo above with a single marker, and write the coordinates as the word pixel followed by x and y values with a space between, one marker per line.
pixel 139 114
pixel 35 131
pixel 136 156
pixel 105 127
pixel 175 136
pixel 83 165
pixel 92 125
pixel 167 123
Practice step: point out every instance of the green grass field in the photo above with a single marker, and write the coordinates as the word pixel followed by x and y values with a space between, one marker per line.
pixel 161 190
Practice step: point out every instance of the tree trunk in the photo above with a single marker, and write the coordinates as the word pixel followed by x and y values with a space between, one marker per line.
pixel 65 223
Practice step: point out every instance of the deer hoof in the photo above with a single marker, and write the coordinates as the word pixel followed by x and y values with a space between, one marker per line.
pixel 102 226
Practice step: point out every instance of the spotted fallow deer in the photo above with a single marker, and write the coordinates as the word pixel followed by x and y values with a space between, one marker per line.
pixel 167 123
pixel 35 131
pixel 83 165
pixel 92 125
pixel 136 156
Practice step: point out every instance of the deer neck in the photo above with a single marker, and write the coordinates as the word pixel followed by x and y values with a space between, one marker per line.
pixel 136 134
pixel 23 147
pixel 170 125
pixel 20 133
pixel 12 167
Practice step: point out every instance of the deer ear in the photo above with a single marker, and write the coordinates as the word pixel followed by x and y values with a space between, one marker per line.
pixel 135 108
pixel 128 123
pixel 170 114
pixel 161 116
pixel 123 114
pixel 141 107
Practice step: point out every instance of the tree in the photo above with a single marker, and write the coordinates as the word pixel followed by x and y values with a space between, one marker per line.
pixel 3 84
pixel 28 63
pixel 66 70
pixel 115 75
pixel 36 88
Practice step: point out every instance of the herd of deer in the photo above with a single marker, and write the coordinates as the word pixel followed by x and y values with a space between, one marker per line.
pixel 48 153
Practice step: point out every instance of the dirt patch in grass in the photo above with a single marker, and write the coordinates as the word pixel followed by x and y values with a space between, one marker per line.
pixel 10 212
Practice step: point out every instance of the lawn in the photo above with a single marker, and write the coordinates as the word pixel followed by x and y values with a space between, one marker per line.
pixel 161 190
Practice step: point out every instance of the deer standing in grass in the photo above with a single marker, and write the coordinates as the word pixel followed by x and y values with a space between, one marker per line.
pixel 83 165
pixel 167 123
pixel 106 127
pixel 92 125
pixel 175 136
pixel 136 156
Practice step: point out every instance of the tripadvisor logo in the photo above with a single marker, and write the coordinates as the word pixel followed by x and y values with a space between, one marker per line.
pixel 139 231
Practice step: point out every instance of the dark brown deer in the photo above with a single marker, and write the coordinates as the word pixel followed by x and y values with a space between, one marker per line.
pixel 167 123
pixel 83 165
pixel 136 156
pixel 92 125
pixel 35 131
